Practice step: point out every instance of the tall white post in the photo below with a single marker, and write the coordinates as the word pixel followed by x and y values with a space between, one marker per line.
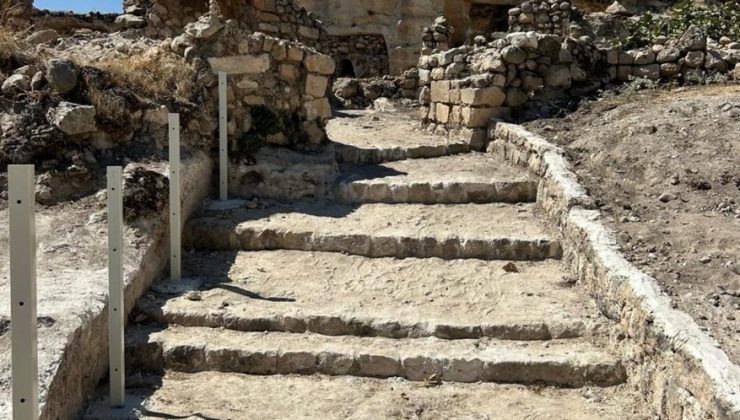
pixel 116 311
pixel 175 217
pixel 24 347
pixel 223 141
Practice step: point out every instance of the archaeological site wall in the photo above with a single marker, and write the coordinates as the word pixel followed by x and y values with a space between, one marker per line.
pixel 463 88
pixel 281 18
pixel 399 22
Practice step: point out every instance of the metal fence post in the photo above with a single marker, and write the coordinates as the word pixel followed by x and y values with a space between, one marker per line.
pixel 116 311
pixel 175 217
pixel 223 141
pixel 24 330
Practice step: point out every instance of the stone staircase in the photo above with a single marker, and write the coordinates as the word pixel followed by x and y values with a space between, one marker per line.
pixel 423 274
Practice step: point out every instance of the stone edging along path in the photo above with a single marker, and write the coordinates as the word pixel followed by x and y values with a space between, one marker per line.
pixel 680 369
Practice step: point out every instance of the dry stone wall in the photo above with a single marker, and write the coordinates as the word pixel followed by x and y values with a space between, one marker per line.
pixel 548 16
pixel 289 79
pixel 465 87
pixel 692 57
pixel 280 18
pixel 357 55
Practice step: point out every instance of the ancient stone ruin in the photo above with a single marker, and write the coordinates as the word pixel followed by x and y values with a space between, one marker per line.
pixel 370 226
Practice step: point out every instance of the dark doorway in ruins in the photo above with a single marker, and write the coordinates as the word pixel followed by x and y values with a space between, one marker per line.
pixel 361 55
pixel 346 69
pixel 488 18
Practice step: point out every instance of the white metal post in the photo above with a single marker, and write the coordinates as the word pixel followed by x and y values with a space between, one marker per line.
pixel 24 347
pixel 223 141
pixel 116 311
pixel 175 218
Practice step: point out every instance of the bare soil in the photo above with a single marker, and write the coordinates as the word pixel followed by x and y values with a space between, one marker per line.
pixel 215 395
pixel 664 167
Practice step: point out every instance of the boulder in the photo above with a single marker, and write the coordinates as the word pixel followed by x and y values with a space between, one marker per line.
pixel 668 54
pixel 384 105
pixel 643 57
pixel 694 39
pixel 616 8
pixel 62 75
pixel 523 39
pixel 16 83
pixel 38 80
pixel 735 73
pixel 558 76
pixel 73 119
pixel 694 59
pixel 42 37
pixel 205 27
pixel 714 61
pixel 513 55
pixel 129 21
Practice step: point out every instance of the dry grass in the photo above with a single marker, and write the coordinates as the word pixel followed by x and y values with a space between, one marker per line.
pixel 110 107
pixel 7 9
pixel 152 74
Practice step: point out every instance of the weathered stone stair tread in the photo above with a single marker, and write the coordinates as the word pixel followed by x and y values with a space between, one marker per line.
pixel 485 231
pixel 336 294
pixel 569 363
pixel 467 178
pixel 362 139
pixel 241 396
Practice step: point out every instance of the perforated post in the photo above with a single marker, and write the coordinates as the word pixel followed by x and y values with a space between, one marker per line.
pixel 223 141
pixel 175 218
pixel 116 323
pixel 24 333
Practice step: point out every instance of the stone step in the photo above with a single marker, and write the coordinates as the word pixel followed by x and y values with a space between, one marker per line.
pixel 241 396
pixel 483 231
pixel 336 294
pixel 467 178
pixel 567 363
pixel 364 138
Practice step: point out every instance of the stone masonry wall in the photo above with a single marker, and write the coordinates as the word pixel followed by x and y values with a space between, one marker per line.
pixel 288 78
pixel 281 18
pixel 546 16
pixel 366 54
pixel 465 87
pixel 690 57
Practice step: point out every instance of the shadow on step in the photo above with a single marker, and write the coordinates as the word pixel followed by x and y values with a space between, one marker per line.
pixel 141 387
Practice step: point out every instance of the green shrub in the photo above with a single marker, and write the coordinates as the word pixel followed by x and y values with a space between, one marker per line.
pixel 716 19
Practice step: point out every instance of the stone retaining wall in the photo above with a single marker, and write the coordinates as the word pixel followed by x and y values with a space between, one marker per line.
pixel 73 352
pixel 465 87
pixel 681 371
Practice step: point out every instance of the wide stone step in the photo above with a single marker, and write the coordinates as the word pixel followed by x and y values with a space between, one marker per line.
pixel 239 396
pixel 365 138
pixel 483 231
pixel 567 363
pixel 467 178
pixel 336 294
